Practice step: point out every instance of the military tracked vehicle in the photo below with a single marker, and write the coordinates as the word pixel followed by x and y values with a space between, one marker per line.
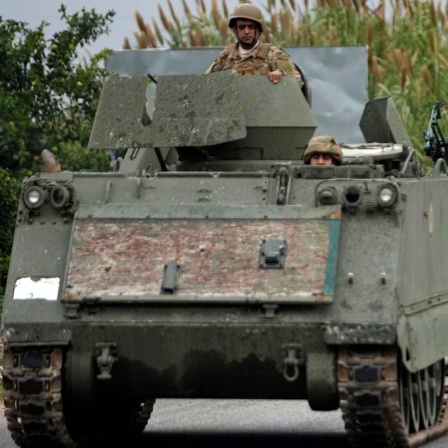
pixel 213 263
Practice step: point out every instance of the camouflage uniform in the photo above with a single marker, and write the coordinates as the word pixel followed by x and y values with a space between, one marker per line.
pixel 324 144
pixel 264 59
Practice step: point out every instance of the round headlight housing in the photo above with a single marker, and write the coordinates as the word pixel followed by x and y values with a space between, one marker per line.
pixel 34 197
pixel 60 197
pixel 328 196
pixel 352 196
pixel 387 196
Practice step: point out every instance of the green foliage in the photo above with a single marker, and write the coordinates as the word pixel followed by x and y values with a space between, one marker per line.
pixel 48 99
pixel 8 199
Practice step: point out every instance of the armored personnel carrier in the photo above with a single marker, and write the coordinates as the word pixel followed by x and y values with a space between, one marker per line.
pixel 213 263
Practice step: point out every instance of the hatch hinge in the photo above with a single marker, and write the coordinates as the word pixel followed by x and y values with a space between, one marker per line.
pixel 283 188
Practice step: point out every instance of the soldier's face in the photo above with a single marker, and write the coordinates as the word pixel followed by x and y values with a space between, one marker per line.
pixel 321 159
pixel 247 33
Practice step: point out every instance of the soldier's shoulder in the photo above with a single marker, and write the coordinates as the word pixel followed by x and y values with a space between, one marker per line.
pixel 223 53
pixel 278 50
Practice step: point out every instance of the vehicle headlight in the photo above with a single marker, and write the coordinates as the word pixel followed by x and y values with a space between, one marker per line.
pixel 387 196
pixel 34 197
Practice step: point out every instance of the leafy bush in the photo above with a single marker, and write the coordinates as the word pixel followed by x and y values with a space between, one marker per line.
pixel 48 99
pixel 9 188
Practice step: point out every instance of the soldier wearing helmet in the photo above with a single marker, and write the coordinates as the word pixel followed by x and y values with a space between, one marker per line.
pixel 250 56
pixel 323 150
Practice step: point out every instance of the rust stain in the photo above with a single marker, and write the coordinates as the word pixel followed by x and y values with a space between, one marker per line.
pixel 336 214
pixel 322 298
pixel 66 296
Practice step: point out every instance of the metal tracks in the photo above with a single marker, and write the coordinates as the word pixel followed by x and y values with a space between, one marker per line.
pixel 33 398
pixel 368 382
pixel 32 394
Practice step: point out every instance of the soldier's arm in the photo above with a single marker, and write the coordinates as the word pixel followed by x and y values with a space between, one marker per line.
pixel 297 75
pixel 282 62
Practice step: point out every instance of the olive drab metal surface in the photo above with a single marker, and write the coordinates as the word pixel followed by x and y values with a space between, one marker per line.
pixel 216 108
pixel 235 110
pixel 213 262
pixel 120 94
pixel 209 114
pixel 381 122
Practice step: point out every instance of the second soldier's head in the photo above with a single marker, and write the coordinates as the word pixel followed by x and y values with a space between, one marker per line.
pixel 323 150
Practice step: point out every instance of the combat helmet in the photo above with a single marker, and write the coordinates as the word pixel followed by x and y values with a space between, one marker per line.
pixel 324 144
pixel 249 12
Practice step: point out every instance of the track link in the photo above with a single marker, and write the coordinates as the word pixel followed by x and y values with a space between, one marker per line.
pixel 33 397
pixel 369 400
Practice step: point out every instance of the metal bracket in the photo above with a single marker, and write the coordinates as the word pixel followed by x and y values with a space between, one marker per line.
pixel 272 253
pixel 269 310
pixel 71 311
pixel 170 278
pixel 106 355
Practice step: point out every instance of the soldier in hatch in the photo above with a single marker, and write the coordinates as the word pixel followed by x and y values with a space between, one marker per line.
pixel 249 56
pixel 323 150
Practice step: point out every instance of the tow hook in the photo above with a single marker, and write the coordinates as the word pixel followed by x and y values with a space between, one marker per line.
pixel 294 358
pixel 106 355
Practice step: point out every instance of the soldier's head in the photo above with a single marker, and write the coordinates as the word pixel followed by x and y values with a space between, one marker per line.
pixel 323 150
pixel 246 23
